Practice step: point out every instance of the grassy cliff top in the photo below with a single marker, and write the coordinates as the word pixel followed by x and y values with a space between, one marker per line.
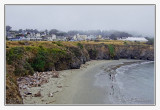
pixel 68 43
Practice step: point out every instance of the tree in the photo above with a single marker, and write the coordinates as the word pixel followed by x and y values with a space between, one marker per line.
pixel 72 33
pixel 53 31
pixel 61 34
pixel 150 41
pixel 35 31
pixel 20 31
pixel 46 31
pixel 113 37
pixel 8 28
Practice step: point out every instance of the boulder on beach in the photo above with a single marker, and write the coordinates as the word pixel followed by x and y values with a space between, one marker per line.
pixel 55 74
pixel 59 86
pixel 38 94
pixel 50 94
pixel 27 93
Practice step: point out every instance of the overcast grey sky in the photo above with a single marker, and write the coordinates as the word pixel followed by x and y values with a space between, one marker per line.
pixel 136 18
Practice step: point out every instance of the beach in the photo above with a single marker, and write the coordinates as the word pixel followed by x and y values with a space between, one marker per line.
pixel 86 85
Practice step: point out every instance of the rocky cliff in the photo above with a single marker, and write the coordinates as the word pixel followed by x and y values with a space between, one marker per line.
pixel 23 59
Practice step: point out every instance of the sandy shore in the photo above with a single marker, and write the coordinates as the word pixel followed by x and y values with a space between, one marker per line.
pixel 75 86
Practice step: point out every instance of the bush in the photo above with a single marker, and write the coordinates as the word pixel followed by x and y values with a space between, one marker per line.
pixel 58 43
pixel 45 58
pixel 29 69
pixel 23 42
pixel 125 43
pixel 80 45
pixel 23 69
pixel 137 42
pixel 14 54
pixel 111 50
pixel 39 61
pixel 76 51
pixel 19 72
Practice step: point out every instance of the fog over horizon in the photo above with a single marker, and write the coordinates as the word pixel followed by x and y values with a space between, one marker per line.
pixel 129 18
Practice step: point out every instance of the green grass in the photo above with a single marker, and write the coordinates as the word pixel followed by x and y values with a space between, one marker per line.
pixel 111 50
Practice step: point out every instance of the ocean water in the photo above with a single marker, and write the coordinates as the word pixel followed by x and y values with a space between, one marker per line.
pixel 132 84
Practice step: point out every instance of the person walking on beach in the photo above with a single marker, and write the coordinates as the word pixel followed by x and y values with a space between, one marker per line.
pixel 110 76
pixel 112 89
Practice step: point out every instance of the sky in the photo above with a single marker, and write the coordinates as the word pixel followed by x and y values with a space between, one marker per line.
pixel 129 18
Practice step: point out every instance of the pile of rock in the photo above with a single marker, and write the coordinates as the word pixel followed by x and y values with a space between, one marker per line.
pixel 38 78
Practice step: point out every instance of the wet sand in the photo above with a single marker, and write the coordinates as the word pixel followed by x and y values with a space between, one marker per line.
pixel 75 86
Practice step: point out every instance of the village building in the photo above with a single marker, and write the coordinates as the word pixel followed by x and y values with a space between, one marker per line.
pixel 38 34
pixel 61 38
pixel 10 35
pixel 140 39
pixel 35 38
pixel 81 37
pixel 18 38
pixel 91 37
pixel 49 37
pixel 74 38
pixel 99 37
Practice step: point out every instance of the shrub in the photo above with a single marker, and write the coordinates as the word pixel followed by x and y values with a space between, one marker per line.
pixel 23 69
pixel 23 42
pixel 14 54
pixel 39 61
pixel 28 48
pixel 137 42
pixel 80 45
pixel 76 51
pixel 125 43
pixel 19 72
pixel 29 69
pixel 111 50
pixel 45 58
pixel 57 43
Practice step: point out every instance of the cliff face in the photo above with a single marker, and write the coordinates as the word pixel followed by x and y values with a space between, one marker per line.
pixel 135 52
pixel 12 94
pixel 121 51
pixel 24 60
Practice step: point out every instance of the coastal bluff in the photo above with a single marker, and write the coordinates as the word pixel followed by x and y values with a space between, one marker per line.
pixel 25 58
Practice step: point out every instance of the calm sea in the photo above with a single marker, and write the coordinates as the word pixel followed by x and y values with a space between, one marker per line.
pixel 135 84
pixel 132 84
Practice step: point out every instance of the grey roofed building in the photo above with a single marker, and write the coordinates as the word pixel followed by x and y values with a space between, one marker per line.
pixel 49 37
pixel 61 38
pixel 35 38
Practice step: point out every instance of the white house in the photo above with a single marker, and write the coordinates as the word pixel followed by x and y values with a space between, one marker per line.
pixel 75 37
pixel 50 37
pixel 140 39
pixel 81 37
pixel 91 37
pixel 38 34
pixel 54 36
pixel 99 37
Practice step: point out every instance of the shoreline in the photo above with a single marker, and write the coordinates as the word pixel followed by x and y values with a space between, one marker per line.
pixel 74 86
